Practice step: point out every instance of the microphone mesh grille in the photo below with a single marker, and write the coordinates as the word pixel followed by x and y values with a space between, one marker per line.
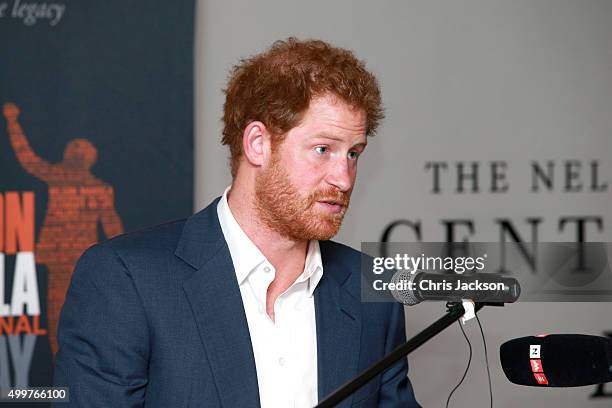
pixel 406 296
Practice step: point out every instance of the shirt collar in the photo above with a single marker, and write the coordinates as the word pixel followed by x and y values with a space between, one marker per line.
pixel 313 267
pixel 246 257
pixel 245 254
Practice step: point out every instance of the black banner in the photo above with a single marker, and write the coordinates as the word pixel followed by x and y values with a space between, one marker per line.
pixel 96 138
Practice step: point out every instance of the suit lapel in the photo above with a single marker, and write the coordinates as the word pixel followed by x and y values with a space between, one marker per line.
pixel 215 300
pixel 338 320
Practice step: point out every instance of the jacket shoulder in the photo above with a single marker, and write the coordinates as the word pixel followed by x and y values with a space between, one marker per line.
pixel 159 237
pixel 146 246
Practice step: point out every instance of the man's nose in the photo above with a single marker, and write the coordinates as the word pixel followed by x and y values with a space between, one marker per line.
pixel 340 175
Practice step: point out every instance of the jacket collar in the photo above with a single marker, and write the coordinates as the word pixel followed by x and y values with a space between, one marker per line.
pixel 338 320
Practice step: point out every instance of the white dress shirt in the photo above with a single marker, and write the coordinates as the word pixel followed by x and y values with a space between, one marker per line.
pixel 285 349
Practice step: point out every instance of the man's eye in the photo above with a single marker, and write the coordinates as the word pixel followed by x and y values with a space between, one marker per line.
pixel 321 149
pixel 353 155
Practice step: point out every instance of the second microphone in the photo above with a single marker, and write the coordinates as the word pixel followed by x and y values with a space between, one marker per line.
pixel 412 288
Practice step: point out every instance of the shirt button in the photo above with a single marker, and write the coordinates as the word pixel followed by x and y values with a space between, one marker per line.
pixel 266 269
pixel 281 361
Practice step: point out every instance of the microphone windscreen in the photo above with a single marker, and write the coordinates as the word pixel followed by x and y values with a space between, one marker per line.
pixel 557 360
pixel 404 296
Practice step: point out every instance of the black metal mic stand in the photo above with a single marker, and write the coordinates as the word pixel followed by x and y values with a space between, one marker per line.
pixel 454 311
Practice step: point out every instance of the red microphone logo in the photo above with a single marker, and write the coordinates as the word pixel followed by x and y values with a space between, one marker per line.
pixel 536 366
pixel 541 378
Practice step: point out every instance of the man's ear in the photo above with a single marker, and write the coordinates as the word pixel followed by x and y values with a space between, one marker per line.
pixel 256 143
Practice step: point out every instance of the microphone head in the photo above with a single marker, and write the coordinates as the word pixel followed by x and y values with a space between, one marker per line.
pixel 557 360
pixel 406 297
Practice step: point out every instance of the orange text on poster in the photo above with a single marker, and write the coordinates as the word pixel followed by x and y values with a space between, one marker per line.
pixel 16 325
pixel 16 222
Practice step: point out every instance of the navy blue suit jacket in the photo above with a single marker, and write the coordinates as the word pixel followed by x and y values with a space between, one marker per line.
pixel 155 319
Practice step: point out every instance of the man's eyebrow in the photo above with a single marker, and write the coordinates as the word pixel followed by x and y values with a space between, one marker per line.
pixel 338 139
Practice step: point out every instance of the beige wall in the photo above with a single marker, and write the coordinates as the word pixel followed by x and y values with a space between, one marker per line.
pixel 469 80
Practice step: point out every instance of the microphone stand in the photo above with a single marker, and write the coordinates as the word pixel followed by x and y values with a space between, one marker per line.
pixel 453 313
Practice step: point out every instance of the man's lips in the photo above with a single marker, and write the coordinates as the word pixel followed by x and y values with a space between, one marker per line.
pixel 331 206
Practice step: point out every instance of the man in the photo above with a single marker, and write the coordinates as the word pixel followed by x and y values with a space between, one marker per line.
pixel 246 303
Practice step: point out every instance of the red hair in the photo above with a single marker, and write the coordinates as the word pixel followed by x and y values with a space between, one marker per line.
pixel 276 87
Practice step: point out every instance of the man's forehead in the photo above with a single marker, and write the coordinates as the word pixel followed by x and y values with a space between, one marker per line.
pixel 329 116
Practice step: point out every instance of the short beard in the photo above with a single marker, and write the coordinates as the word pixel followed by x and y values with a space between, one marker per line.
pixel 283 209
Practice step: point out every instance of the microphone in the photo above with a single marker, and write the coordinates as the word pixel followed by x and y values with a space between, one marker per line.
pixel 412 288
pixel 557 360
